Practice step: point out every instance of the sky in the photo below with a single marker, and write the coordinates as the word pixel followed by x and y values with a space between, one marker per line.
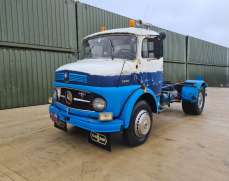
pixel 204 19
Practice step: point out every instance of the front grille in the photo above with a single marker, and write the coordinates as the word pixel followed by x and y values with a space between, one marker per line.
pixel 81 99
pixel 71 77
pixel 60 76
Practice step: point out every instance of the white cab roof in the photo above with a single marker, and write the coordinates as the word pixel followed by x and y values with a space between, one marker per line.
pixel 135 31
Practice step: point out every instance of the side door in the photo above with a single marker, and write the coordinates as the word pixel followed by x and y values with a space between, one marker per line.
pixel 151 63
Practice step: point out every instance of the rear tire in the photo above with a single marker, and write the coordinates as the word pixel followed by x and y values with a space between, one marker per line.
pixel 197 107
pixel 140 124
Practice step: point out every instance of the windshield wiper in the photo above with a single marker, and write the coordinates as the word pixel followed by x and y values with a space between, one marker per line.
pixel 112 49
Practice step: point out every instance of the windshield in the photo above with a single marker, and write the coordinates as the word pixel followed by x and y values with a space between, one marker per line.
pixel 111 46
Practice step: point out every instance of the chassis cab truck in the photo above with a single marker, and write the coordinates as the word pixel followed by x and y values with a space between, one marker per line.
pixel 118 85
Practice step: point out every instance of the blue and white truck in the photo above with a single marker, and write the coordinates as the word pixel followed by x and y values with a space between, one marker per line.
pixel 118 86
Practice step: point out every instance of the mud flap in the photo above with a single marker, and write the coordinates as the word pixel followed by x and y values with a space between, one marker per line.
pixel 102 140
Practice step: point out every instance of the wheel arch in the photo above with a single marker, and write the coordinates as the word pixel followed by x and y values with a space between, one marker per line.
pixel 140 94
pixel 150 100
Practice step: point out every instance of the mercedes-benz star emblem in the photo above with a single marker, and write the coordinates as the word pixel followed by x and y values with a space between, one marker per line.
pixel 82 94
pixel 68 98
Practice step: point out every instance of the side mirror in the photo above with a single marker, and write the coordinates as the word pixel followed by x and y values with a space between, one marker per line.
pixel 158 48
pixel 162 35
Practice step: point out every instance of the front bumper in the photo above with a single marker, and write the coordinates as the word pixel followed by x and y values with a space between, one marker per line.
pixel 87 123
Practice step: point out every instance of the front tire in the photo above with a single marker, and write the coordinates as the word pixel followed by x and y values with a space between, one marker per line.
pixel 140 124
pixel 197 107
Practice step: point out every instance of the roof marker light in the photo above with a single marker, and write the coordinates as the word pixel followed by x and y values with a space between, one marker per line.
pixel 132 23
pixel 103 28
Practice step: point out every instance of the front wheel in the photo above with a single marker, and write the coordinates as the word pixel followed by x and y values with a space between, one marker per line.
pixel 140 125
pixel 197 107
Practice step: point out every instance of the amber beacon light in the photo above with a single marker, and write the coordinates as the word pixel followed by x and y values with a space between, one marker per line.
pixel 132 23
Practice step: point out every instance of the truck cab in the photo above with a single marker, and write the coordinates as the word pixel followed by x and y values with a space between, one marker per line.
pixel 118 85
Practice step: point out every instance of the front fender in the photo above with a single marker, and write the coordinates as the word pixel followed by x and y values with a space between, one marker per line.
pixel 129 106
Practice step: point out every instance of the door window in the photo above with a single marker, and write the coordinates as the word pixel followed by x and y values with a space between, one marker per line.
pixel 148 48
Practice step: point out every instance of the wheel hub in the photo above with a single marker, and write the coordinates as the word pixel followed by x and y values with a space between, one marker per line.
pixel 200 100
pixel 142 123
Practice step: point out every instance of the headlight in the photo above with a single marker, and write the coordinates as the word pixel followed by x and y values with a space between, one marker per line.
pixel 50 100
pixel 56 94
pixel 99 104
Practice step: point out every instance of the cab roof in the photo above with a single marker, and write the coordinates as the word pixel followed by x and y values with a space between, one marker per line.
pixel 135 31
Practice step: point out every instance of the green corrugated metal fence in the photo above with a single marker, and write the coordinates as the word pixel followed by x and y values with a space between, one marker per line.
pixel 174 71
pixel 207 60
pixel 27 75
pixel 213 75
pixel 174 47
pixel 38 22
pixel 36 37
pixel 174 57
pixel 203 52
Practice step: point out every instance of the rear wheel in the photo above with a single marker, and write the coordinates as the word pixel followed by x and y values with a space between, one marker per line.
pixel 140 125
pixel 197 107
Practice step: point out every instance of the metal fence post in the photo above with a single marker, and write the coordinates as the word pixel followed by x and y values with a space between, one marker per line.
pixel 186 57
pixel 227 74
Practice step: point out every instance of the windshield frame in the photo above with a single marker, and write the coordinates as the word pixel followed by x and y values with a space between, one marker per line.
pixel 112 34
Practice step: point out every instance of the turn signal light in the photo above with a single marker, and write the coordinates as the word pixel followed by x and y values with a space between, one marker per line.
pixel 50 100
pixel 106 116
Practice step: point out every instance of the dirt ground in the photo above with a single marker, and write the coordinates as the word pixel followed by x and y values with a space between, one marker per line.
pixel 180 147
